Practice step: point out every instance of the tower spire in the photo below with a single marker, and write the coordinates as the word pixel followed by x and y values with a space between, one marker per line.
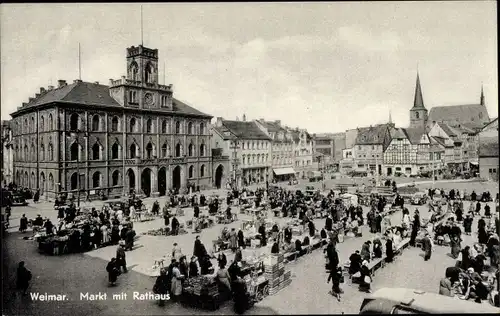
pixel 79 63
pixel 418 102
pixel 142 29
pixel 482 95
pixel 390 117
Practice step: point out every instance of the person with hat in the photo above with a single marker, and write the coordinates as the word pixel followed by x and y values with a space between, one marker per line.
pixel 193 267
pixel 468 224
pixel 113 272
pixel 161 285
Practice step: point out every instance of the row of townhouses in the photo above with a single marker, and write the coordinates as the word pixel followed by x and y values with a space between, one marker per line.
pixel 261 151
pixel 446 137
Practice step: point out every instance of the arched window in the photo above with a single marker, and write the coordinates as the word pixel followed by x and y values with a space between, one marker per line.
pixel 243 159
pixel 26 153
pixel 114 124
pixel 202 150
pixel 96 179
pixel 149 73
pixel 33 153
pixel 115 178
pixel 51 152
pixel 132 151
pixel 51 122
pixel 96 152
pixel 74 181
pixel 149 126
pixel 149 151
pixel 26 127
pixel 95 123
pixel 134 71
pixel 115 151
pixel 190 150
pixel 33 126
pixel 164 150
pixel 73 122
pixel 164 127
pixel 417 115
pixel 42 123
pixel 202 171
pixel 258 158
pixel 42 152
pixel 177 127
pixel 191 172
pixel 178 150
pixel 202 128
pixel 132 125
pixel 190 128
pixel 51 181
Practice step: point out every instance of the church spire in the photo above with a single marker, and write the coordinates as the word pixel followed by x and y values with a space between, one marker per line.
pixel 390 117
pixel 419 100
pixel 482 96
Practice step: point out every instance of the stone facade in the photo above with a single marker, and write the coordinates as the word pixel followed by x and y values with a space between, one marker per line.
pixel 109 140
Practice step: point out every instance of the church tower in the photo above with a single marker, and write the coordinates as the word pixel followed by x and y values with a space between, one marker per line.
pixel 418 113
pixel 140 88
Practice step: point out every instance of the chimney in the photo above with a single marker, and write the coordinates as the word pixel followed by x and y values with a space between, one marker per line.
pixel 61 83
pixel 238 119
pixel 244 118
pixel 97 82
pixel 77 81
pixel 278 122
pixel 25 104
pixel 37 95
pixel 50 88
pixel 218 123
pixel 110 82
pixel 30 100
pixel 42 90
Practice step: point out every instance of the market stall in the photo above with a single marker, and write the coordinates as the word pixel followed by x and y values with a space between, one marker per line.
pixel 201 291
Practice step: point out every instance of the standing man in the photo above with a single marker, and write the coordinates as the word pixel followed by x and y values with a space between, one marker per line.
pixel 427 247
pixel 120 257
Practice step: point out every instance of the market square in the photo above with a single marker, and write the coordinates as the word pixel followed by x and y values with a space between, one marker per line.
pixel 272 158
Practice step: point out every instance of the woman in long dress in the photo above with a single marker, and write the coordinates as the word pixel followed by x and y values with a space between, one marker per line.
pixel 105 235
pixel 455 245
pixel 176 287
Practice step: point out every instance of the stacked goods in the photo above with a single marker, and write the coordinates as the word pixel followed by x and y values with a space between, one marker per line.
pixel 274 271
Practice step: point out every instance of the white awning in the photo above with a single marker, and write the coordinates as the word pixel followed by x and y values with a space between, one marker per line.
pixel 282 171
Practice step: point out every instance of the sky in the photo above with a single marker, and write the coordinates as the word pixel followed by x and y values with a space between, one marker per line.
pixel 326 67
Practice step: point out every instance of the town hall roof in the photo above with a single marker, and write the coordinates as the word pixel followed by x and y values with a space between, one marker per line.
pixel 87 93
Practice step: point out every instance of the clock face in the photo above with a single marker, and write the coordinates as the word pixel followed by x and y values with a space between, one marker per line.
pixel 149 99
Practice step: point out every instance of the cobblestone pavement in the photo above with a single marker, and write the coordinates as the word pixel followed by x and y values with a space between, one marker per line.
pixel 308 292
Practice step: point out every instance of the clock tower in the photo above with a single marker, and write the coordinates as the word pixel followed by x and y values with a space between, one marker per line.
pixel 140 88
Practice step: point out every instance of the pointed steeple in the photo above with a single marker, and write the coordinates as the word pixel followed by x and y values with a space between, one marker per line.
pixel 482 96
pixel 390 117
pixel 419 100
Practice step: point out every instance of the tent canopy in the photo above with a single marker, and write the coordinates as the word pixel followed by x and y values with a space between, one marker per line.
pixel 282 171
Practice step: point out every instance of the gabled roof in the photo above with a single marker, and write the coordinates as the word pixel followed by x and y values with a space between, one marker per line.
pixel 488 149
pixel 470 115
pixel 296 135
pixel 439 140
pixel 87 93
pixel 491 123
pixel 373 135
pixel 414 135
pixel 447 129
pixel 224 133
pixel 245 130
pixel 398 133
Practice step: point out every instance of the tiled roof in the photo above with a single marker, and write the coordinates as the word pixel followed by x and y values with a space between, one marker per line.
pixel 96 94
pixel 296 135
pixel 414 135
pixel 224 132
pixel 245 130
pixel 488 149
pixel 472 115
pixel 440 141
pixel 398 133
pixel 447 129
pixel 373 135
pixel 491 124
pixel 272 127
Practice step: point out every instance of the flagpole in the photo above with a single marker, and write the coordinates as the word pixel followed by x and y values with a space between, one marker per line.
pixel 79 63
